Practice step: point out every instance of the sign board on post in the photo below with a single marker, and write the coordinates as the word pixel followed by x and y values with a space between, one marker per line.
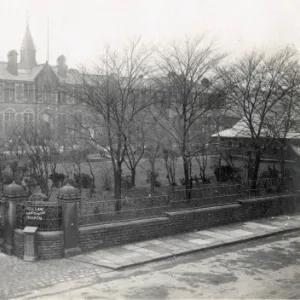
pixel 45 216
pixel 35 213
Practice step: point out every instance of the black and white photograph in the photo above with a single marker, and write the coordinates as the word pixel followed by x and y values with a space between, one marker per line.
pixel 149 149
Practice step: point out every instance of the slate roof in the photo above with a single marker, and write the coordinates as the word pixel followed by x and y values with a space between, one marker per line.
pixel 23 74
pixel 241 130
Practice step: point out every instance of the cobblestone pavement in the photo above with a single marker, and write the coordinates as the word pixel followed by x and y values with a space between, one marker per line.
pixel 19 277
pixel 144 252
pixel 259 269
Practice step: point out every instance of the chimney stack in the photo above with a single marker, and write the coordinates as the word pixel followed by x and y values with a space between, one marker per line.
pixel 62 67
pixel 12 64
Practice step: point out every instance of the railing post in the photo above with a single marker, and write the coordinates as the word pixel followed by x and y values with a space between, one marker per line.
pixel 12 195
pixel 69 198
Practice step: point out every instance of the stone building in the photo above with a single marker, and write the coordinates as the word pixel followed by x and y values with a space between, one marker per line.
pixel 30 91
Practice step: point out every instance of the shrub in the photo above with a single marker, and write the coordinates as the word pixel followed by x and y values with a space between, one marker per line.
pixel 106 178
pixel 84 180
pixel 57 179
pixel 155 175
pixel 182 181
pixel 70 181
pixel 7 177
pixel 126 182
pixel 227 173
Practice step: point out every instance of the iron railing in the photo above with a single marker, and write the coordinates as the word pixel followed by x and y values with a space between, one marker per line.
pixel 136 208
pixel 103 211
pixel 47 216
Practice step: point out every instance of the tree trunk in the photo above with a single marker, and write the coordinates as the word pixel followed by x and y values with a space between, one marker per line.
pixel 152 180
pixel 133 173
pixel 282 163
pixel 255 171
pixel 117 188
pixel 186 170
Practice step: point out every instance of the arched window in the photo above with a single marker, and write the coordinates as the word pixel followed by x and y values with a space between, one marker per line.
pixel 9 120
pixel 28 117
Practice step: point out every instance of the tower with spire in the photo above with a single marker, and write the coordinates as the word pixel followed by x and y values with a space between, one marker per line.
pixel 28 51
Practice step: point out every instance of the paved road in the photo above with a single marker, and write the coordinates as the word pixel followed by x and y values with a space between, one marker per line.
pixel 266 268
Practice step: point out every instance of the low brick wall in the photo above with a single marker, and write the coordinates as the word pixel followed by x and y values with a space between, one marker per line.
pixel 106 235
pixel 50 245
pixel 19 243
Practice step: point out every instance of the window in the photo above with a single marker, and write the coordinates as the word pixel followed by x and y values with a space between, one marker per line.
pixel 2 92
pixel 19 92
pixel 1 123
pixel 9 119
pixel 28 92
pixel 28 119
pixel 9 92
pixel 47 94
pixel 61 97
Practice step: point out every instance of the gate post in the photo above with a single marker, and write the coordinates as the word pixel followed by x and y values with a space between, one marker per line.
pixel 69 198
pixel 12 195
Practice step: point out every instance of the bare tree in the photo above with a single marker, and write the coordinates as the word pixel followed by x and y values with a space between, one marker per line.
pixel 283 124
pixel 202 160
pixel 170 157
pixel 255 87
pixel 136 142
pixel 187 96
pixel 41 144
pixel 151 154
pixel 114 97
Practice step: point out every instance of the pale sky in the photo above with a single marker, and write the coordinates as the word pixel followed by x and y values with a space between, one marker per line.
pixel 79 28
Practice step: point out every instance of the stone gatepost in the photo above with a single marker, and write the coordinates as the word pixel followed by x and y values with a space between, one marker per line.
pixel 69 198
pixel 12 195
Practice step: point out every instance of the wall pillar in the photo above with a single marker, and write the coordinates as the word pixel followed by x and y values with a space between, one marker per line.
pixel 13 194
pixel 30 244
pixel 69 198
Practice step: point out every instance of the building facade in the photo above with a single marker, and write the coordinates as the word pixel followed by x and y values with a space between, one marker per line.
pixel 30 91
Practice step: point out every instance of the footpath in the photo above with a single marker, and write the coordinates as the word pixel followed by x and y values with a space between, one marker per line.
pixel 22 280
pixel 120 257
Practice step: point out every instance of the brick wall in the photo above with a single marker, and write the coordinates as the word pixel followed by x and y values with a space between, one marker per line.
pixel 49 244
pixel 19 243
pixel 106 235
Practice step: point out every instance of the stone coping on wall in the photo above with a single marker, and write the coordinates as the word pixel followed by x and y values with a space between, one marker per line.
pixel 264 199
pixel 123 223
pixel 203 209
pixel 51 244
pixel 123 232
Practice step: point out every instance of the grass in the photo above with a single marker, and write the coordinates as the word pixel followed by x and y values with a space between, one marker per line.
pixel 141 171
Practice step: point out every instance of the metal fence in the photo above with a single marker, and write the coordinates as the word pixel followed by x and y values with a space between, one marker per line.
pixel 135 208
pixel 210 195
pixel 47 216
pixel 103 211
